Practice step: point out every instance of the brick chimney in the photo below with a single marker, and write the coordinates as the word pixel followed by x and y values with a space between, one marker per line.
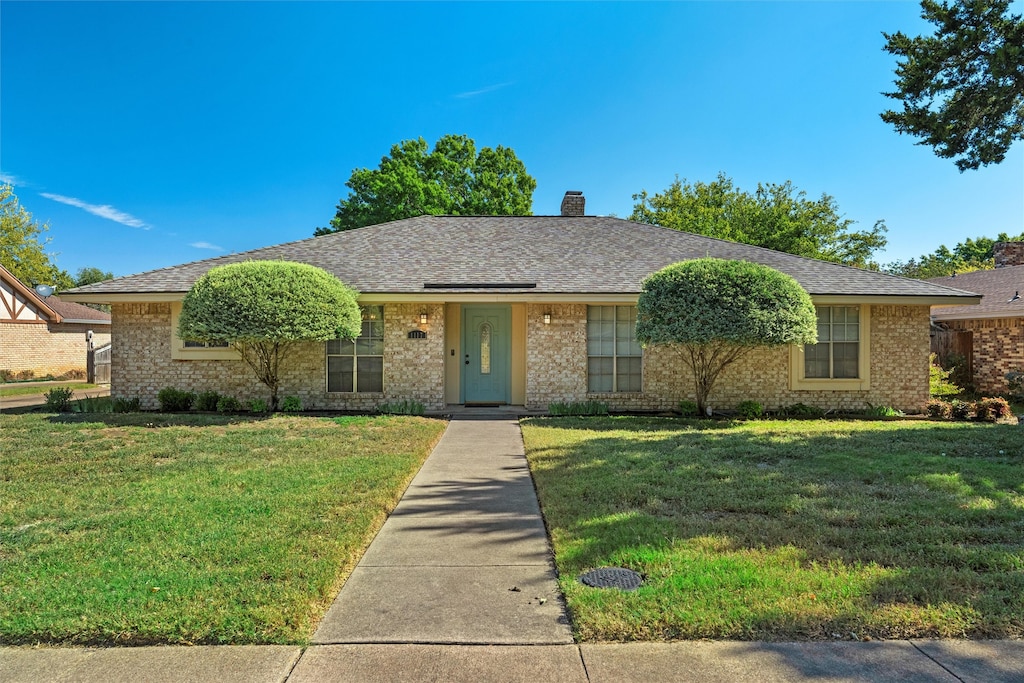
pixel 573 203
pixel 1006 253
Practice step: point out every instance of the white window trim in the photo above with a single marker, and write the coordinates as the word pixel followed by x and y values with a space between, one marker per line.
pixel 355 360
pixel 615 392
pixel 180 352
pixel 799 382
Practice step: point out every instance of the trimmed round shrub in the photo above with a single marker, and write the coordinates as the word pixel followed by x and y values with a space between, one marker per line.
pixel 175 400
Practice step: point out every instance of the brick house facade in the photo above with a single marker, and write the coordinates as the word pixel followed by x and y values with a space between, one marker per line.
pixel 526 311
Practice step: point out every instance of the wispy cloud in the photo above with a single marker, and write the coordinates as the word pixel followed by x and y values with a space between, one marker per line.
pixel 10 179
pixel 482 91
pixel 206 245
pixel 101 210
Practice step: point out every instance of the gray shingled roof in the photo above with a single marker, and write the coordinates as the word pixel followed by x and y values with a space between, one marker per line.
pixel 997 288
pixel 557 254
pixel 72 311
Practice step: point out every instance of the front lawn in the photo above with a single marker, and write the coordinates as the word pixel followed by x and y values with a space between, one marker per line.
pixel 786 530
pixel 146 528
pixel 30 389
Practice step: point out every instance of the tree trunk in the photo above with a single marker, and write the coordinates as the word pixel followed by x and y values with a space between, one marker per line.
pixel 707 362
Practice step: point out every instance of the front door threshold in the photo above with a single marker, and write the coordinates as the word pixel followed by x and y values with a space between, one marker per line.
pixel 483 404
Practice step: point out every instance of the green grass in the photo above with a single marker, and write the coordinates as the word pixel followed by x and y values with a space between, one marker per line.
pixel 147 528
pixel 29 389
pixel 786 530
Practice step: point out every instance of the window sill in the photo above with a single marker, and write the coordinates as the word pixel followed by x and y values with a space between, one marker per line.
pixel 830 385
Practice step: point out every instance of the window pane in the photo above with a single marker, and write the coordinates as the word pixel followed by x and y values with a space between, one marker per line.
pixel 369 347
pixel 485 349
pixel 844 359
pixel 599 371
pixel 370 374
pixel 816 360
pixel 339 373
pixel 629 374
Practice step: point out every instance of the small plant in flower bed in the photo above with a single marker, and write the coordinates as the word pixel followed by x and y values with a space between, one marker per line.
pixel 258 405
pixel 961 410
pixel 59 399
pixel 126 405
pixel 883 411
pixel 291 404
pixel 229 404
pixel 992 409
pixel 404 407
pixel 206 401
pixel 175 400
pixel 750 410
pixel 802 410
pixel 688 408
pixel 938 409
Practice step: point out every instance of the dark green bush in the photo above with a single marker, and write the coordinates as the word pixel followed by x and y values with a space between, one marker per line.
pixel 126 405
pixel 229 404
pixel 577 408
pixel 258 405
pixel 59 399
pixel 750 410
pixel 175 400
pixel 291 404
pixel 688 408
pixel 962 410
pixel 802 410
pixel 207 401
pixel 404 407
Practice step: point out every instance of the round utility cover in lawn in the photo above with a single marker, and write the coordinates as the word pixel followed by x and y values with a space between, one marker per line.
pixel 612 577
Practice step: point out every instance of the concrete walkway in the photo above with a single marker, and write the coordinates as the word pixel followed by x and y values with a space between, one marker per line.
pixel 459 586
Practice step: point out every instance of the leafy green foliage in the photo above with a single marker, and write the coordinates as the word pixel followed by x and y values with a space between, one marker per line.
pixel 969 255
pixel 939 384
pixel 778 217
pixel 291 404
pixel 962 89
pixel 175 400
pixel 262 308
pixel 453 179
pixel 22 245
pixel 750 410
pixel 58 399
pixel 257 405
pixel 229 404
pixel 883 411
pixel 127 405
pixel 961 410
pixel 716 310
pixel 206 401
pixel 403 407
pixel 577 408
pixel 688 408
pixel 802 410
pixel 91 275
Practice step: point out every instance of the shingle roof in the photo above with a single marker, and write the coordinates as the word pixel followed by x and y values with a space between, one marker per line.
pixel 555 254
pixel 997 288
pixel 72 311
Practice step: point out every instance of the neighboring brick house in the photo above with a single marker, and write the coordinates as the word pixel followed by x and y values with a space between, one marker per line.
pixel 527 311
pixel 991 334
pixel 42 336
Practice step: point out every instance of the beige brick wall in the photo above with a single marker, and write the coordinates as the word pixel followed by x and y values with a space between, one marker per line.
pixel 47 349
pixel 142 364
pixel 998 348
pixel 899 368
pixel 556 365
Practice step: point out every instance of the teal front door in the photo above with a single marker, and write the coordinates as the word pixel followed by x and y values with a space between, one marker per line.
pixel 486 351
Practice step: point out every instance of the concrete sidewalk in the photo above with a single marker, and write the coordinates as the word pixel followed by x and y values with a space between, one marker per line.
pixel 459 586
pixel 463 559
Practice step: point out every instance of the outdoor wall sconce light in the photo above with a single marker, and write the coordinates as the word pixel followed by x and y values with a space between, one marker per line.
pixel 547 318
pixel 423 318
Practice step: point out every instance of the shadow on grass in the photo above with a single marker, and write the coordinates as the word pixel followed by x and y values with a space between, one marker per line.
pixel 937 510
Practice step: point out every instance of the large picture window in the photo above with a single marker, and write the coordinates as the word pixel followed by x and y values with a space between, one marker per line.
pixel 614 357
pixel 837 353
pixel 358 366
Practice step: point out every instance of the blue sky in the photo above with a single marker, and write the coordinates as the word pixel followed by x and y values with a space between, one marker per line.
pixel 154 134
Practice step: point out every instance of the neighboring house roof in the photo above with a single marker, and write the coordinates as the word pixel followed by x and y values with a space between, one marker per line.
pixel 71 312
pixel 548 255
pixel 997 289
pixel 51 308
